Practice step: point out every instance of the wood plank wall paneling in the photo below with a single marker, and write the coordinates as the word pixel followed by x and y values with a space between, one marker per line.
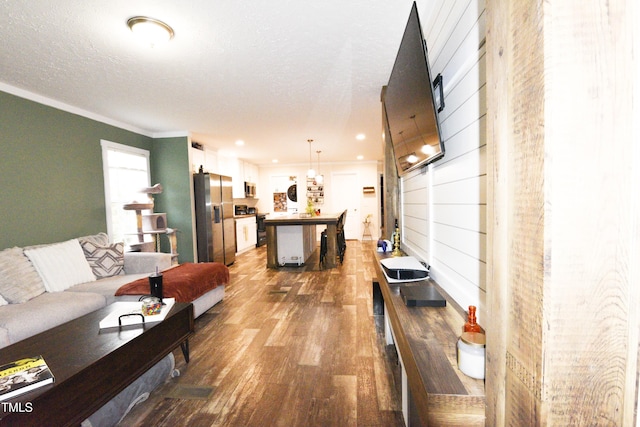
pixel 525 215
pixel 444 209
pixel 594 236
pixel 563 214
pixel 497 273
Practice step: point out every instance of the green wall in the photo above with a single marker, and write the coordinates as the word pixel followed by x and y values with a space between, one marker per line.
pixel 51 182
pixel 170 167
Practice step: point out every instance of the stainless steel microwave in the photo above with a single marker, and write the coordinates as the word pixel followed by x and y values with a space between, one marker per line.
pixel 249 189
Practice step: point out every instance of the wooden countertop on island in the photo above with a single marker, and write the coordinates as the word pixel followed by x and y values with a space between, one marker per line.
pixel 297 219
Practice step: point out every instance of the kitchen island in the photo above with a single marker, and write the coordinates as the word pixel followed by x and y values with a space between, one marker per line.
pixel 292 238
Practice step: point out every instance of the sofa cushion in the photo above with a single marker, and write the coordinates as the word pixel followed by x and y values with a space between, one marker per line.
pixel 46 311
pixel 104 260
pixel 4 338
pixel 19 280
pixel 146 262
pixel 108 286
pixel 61 265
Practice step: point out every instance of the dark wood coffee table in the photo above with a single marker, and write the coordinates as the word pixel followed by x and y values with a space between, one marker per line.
pixel 90 365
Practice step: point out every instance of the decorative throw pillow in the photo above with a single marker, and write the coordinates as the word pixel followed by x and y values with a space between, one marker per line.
pixel 100 239
pixel 61 265
pixel 104 260
pixel 19 280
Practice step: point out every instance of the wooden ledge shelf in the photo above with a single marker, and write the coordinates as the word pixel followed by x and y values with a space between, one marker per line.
pixel 436 392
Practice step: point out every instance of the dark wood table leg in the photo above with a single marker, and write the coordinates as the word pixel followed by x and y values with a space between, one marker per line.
pixel 185 350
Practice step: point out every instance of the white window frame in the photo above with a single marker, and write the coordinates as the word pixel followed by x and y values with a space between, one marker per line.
pixel 114 146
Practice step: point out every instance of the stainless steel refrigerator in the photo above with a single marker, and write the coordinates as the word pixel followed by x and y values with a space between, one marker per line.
pixel 215 226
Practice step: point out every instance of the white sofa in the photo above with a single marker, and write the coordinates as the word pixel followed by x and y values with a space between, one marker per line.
pixel 44 286
pixel 47 285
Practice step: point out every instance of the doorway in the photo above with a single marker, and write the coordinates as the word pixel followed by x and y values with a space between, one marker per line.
pixel 346 195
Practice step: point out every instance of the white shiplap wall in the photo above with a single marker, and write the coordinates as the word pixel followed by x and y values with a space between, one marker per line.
pixel 444 205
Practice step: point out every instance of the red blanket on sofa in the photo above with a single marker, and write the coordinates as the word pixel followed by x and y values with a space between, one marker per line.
pixel 185 282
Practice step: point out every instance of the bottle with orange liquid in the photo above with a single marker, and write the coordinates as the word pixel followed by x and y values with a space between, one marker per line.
pixel 471 325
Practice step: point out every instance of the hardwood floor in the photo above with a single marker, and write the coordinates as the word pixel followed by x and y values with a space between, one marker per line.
pixel 288 347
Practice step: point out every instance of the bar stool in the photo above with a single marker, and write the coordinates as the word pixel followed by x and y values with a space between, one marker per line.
pixel 341 241
pixel 342 245
pixel 323 246
pixel 366 230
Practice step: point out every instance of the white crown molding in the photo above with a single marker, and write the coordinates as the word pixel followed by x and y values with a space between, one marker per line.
pixel 172 134
pixel 40 99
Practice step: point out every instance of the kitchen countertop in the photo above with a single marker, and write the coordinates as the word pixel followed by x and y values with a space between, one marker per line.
pixel 300 219
pixel 243 216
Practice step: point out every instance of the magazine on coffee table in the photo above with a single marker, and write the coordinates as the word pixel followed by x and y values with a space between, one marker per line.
pixel 130 313
pixel 23 375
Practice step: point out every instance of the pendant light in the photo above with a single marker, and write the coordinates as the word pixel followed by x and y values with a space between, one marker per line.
pixel 319 178
pixel 310 173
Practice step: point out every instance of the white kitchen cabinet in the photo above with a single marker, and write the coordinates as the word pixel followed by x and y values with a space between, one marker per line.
pixel 207 158
pixel 239 171
pixel 251 172
pixel 197 159
pixel 238 179
pixel 211 160
pixel 227 166
pixel 246 233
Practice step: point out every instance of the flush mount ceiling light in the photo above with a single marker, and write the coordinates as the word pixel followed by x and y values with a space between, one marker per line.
pixel 150 30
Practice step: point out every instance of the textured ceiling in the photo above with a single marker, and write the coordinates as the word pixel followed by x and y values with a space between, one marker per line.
pixel 272 73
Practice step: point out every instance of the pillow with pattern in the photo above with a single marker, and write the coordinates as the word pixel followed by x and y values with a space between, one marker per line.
pixel 97 239
pixel 104 260
pixel 19 280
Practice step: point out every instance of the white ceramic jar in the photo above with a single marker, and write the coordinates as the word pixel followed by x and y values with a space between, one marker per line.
pixel 471 354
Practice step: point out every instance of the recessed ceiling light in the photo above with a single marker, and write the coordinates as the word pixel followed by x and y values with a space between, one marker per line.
pixel 150 30
pixel 274 161
pixel 360 157
pixel 361 137
pixel 239 143
pixel 428 149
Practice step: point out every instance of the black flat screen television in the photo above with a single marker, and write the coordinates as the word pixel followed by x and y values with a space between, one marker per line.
pixel 409 103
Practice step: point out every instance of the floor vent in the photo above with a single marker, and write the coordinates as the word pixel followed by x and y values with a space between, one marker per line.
pixel 186 391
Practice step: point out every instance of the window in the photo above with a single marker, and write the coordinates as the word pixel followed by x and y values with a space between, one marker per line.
pixel 126 172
